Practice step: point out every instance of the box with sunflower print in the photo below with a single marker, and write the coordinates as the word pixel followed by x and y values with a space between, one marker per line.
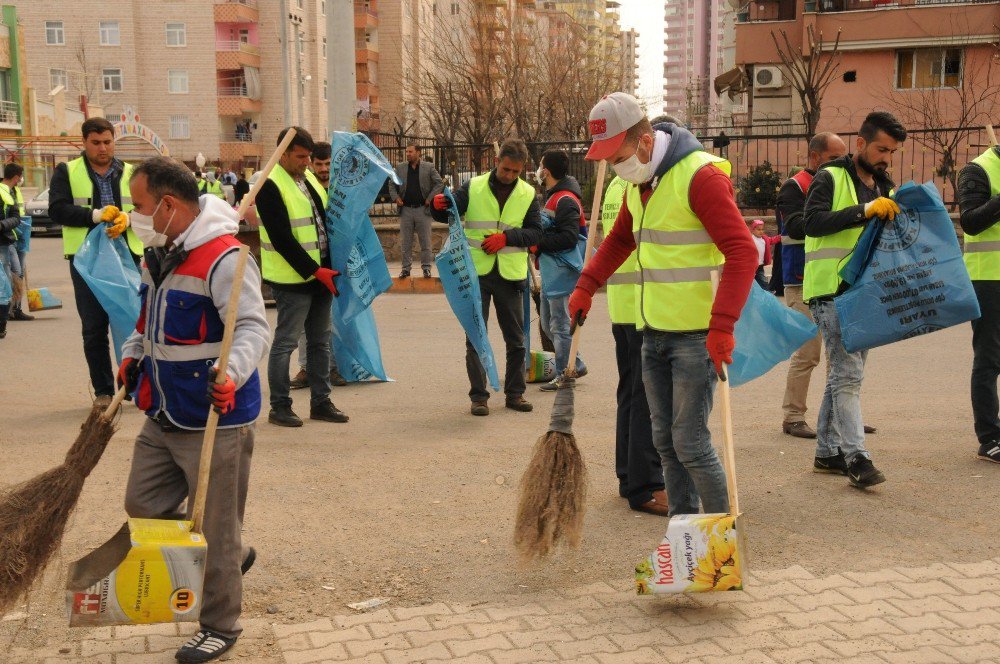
pixel 699 553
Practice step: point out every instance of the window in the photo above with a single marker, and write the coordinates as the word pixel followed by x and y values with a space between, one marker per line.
pixel 244 36
pixel 111 80
pixel 324 89
pixel 180 126
pixel 110 34
pixel 54 33
pixel 177 81
pixel 299 3
pixel 302 43
pixel 58 77
pixel 454 8
pixel 176 34
pixel 322 7
pixel 928 68
pixel 324 47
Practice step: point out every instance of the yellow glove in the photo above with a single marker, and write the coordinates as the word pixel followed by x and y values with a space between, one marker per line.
pixel 117 226
pixel 882 207
pixel 107 214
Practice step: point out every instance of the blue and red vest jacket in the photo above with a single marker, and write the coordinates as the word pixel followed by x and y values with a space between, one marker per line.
pixel 182 338
pixel 793 252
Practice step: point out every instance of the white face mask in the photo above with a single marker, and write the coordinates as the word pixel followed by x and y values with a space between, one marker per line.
pixel 634 171
pixel 142 225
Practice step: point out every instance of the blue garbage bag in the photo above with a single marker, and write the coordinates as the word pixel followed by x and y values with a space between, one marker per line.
pixel 107 267
pixel 915 281
pixel 356 346
pixel 767 333
pixel 6 288
pixel 461 288
pixel 23 243
pixel 561 270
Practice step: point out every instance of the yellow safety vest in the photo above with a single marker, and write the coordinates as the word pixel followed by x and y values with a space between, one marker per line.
pixel 82 189
pixel 214 188
pixel 273 265
pixel 675 256
pixel 825 255
pixel 483 217
pixel 318 186
pixel 982 251
pixel 14 195
pixel 6 195
pixel 622 284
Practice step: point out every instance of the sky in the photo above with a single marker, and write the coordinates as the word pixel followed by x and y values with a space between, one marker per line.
pixel 646 16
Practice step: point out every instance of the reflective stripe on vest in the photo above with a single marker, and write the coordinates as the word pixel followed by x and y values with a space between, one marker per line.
pixel 982 251
pixel 484 217
pixel 318 186
pixel 675 255
pixel 274 267
pixel 82 189
pixel 622 284
pixel 825 255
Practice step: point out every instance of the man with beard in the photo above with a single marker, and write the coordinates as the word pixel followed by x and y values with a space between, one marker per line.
pixel 844 196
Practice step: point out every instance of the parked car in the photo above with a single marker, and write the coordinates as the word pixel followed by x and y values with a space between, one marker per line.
pixel 38 209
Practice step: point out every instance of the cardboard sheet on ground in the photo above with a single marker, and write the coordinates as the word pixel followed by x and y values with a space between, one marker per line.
pixel 461 287
pixel 107 267
pixel 357 171
pixel 767 333
pixel 908 276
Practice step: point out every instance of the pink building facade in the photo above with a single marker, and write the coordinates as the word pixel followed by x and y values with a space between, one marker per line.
pixel 694 41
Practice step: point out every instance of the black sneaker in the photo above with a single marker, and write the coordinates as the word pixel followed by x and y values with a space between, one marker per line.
pixel 835 465
pixel 427 273
pixel 284 417
pixel 990 451
pixel 249 560
pixel 862 473
pixel 404 274
pixel 204 646
pixel 327 412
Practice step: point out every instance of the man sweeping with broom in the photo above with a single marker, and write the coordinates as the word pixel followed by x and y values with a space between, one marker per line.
pixel 168 368
pixel 681 219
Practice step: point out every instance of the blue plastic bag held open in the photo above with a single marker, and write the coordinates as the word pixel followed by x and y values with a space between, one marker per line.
pixel 767 333
pixel 907 276
pixel 107 267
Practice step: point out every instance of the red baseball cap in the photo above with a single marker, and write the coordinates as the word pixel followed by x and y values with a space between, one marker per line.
pixel 610 118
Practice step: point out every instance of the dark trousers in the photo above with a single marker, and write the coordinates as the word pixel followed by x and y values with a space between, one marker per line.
pixel 96 329
pixel 637 462
pixel 986 362
pixel 508 299
pixel 760 278
pixel 777 283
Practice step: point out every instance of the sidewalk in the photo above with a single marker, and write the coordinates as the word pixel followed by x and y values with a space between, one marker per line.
pixel 940 613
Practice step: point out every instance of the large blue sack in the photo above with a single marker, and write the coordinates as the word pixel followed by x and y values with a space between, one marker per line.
pixel 356 347
pixel 461 287
pixel 6 288
pixel 914 280
pixel 560 271
pixel 767 333
pixel 107 267
pixel 23 243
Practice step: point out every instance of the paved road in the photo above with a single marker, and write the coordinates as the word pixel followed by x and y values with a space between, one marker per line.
pixel 413 501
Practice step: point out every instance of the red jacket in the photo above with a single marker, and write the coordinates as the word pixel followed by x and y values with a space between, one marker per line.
pixel 769 241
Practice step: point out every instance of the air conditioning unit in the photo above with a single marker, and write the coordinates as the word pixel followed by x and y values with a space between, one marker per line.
pixel 767 77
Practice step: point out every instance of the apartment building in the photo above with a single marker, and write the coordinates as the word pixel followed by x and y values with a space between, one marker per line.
pixel 695 36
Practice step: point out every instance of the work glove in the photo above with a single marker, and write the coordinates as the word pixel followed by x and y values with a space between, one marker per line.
pixel 326 276
pixel 222 395
pixel 440 202
pixel 720 348
pixel 399 202
pixel 882 207
pixel 494 243
pixel 579 306
pixel 106 214
pixel 117 226
pixel 128 375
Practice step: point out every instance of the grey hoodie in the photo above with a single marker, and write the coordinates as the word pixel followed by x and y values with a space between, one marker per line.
pixel 682 143
pixel 252 338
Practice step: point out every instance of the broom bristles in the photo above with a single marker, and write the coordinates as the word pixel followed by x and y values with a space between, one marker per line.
pixel 553 497
pixel 33 515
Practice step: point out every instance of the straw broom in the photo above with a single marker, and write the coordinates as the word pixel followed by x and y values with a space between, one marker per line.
pixel 33 515
pixel 553 489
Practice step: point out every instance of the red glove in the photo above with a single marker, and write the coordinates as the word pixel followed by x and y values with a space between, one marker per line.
pixel 720 348
pixel 222 395
pixel 440 202
pixel 579 306
pixel 128 375
pixel 494 243
pixel 533 249
pixel 326 276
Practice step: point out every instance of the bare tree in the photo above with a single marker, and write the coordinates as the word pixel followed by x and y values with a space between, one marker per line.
pixel 810 74
pixel 89 72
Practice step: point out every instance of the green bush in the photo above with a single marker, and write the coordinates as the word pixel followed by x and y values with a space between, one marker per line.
pixel 759 187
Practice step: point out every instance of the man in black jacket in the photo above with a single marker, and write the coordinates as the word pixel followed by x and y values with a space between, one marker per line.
pixel 562 221
pixel 979 202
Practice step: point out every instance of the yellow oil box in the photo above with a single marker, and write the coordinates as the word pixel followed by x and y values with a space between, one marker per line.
pixel 699 553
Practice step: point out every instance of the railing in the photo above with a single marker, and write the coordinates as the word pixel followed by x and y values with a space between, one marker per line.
pixel 362 45
pixel 863 5
pixel 233 91
pixel 9 112
pixel 360 10
pixel 231 46
pixel 247 3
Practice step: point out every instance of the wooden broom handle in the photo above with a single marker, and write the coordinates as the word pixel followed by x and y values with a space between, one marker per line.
pixel 992 136
pixel 248 199
pixel 207 446
pixel 728 446
pixel 595 212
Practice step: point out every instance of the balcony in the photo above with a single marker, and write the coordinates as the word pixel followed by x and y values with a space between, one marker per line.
pixel 236 11
pixel 240 150
pixel 365 52
pixel 233 100
pixel 864 5
pixel 365 18
pixel 236 55
pixel 10 115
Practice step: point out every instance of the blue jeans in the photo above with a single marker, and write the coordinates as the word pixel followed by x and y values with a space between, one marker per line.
pixel 310 311
pixel 840 424
pixel 7 265
pixel 555 320
pixel 680 379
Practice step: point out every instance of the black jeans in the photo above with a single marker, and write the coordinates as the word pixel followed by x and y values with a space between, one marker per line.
pixel 986 362
pixel 96 329
pixel 508 299
pixel 637 463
